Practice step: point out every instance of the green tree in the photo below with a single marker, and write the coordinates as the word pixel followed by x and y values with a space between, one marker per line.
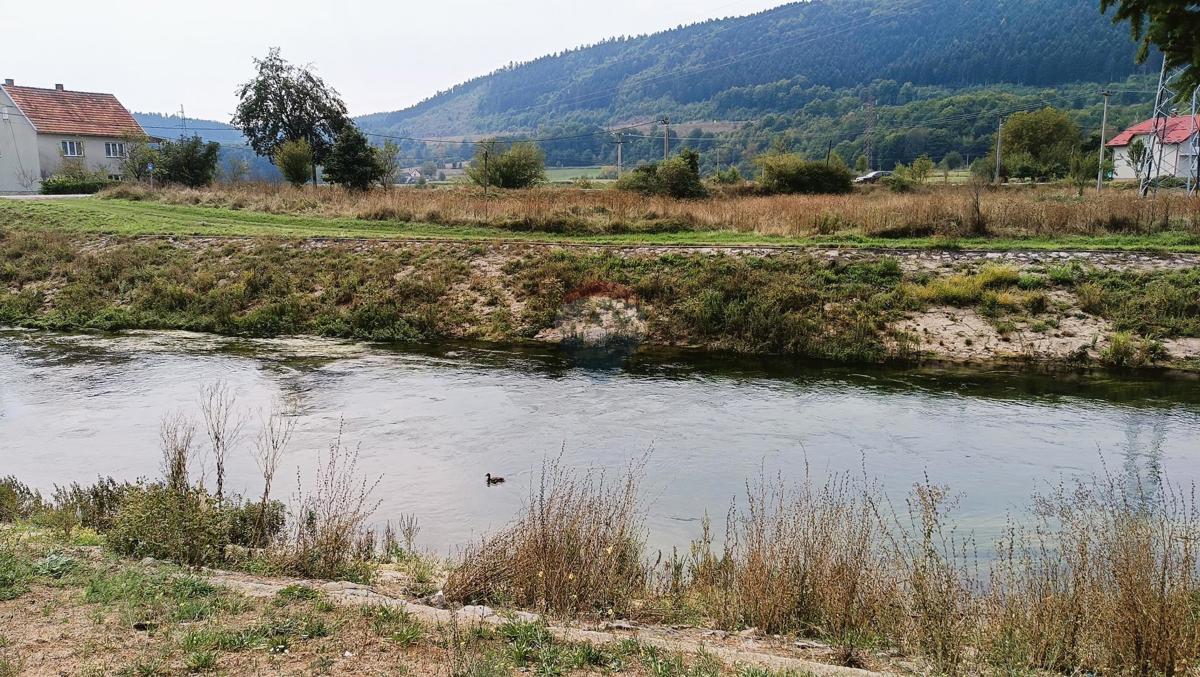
pixel 140 157
pixel 520 166
pixel 1138 158
pixel 283 102
pixel 1038 144
pixel 388 156
pixel 294 159
pixel 861 164
pixel 922 169
pixel 191 162
pixel 1171 25
pixel 953 160
pixel 352 161
pixel 1083 171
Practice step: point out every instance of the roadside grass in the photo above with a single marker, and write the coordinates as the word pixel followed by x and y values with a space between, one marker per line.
pixel 126 217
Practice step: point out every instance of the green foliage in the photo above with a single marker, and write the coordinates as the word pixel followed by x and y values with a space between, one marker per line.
pixel 677 177
pixel 1038 144
pixel 18 500
pixel 522 165
pixel 15 572
pixel 294 158
pixel 1171 25
pixel 190 162
pixel 139 158
pixel 388 157
pixel 283 102
pixel 74 184
pixel 184 525
pixel 861 164
pixel 728 176
pixel 921 169
pixel 791 173
pixel 352 162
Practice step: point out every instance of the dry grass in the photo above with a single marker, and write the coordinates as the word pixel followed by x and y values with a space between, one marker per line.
pixel 946 211
pixel 576 547
pixel 1105 579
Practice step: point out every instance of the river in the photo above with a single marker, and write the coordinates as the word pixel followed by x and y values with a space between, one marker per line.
pixel 431 421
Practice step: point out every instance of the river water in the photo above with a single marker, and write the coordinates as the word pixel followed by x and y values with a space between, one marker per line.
pixel 432 421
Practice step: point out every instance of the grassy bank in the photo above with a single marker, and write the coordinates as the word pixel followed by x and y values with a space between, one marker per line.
pixel 1043 219
pixel 1102 577
pixel 788 303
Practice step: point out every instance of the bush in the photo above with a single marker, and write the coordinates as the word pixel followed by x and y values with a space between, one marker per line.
pixel 190 162
pixel 95 506
pixel 182 524
pixel 72 184
pixel 17 500
pixel 678 177
pixel 790 173
pixel 521 166
pixel 294 160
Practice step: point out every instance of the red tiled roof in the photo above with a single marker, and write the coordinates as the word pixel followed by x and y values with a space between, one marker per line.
pixel 1178 130
pixel 57 111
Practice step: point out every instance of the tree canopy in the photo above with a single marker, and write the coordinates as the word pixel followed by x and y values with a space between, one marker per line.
pixel 284 102
pixel 190 161
pixel 1171 25
pixel 352 162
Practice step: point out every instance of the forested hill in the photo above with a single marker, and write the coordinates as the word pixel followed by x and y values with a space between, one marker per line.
pixel 781 59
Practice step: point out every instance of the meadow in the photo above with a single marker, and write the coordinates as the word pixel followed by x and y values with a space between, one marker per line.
pixel 936 216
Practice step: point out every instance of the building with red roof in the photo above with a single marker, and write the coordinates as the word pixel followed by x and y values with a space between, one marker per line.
pixel 41 129
pixel 1180 138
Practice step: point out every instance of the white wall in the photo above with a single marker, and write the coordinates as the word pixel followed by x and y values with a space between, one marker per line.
pixel 1176 159
pixel 20 168
pixel 94 160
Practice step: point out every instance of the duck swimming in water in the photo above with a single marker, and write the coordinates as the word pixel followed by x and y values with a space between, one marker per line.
pixel 494 480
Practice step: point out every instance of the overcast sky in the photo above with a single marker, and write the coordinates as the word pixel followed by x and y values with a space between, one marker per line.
pixel 380 54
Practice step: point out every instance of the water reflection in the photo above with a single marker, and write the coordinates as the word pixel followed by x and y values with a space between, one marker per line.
pixel 433 419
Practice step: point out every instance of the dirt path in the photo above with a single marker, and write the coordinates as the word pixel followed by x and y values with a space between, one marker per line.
pixel 733 649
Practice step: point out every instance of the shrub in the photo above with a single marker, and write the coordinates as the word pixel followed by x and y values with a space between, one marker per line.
pixel 190 162
pixel 678 177
pixel 728 176
pixel 67 184
pixel 181 524
pixel 18 500
pixel 520 166
pixel 95 506
pixel 790 173
pixel 295 161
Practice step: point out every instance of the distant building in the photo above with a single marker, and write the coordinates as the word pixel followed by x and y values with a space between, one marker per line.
pixel 1178 148
pixel 40 129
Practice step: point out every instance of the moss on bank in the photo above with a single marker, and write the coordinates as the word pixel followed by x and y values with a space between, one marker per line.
pixel 789 303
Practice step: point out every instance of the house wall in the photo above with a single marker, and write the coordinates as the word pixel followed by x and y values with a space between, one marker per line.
pixel 20 169
pixel 1176 159
pixel 94 160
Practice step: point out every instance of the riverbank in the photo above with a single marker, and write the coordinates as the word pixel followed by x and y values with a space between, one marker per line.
pixel 814 577
pixel 1080 308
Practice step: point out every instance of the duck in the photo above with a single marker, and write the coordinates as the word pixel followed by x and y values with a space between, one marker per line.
pixel 494 480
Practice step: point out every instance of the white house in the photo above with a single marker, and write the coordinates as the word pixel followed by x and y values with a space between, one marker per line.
pixel 1179 136
pixel 41 128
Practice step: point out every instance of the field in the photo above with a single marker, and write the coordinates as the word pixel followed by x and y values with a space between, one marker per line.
pixel 946 217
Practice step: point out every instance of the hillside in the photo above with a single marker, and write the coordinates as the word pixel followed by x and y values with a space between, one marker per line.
pixel 778 60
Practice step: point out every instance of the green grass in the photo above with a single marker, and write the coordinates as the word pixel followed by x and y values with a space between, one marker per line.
pixel 121 217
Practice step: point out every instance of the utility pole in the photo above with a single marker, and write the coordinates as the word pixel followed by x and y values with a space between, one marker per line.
pixel 666 121
pixel 871 119
pixel 620 142
pixel 829 153
pixel 999 134
pixel 182 120
pixel 1103 134
pixel 486 176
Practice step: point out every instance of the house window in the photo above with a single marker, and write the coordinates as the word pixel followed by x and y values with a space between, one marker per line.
pixel 114 177
pixel 114 149
pixel 72 148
